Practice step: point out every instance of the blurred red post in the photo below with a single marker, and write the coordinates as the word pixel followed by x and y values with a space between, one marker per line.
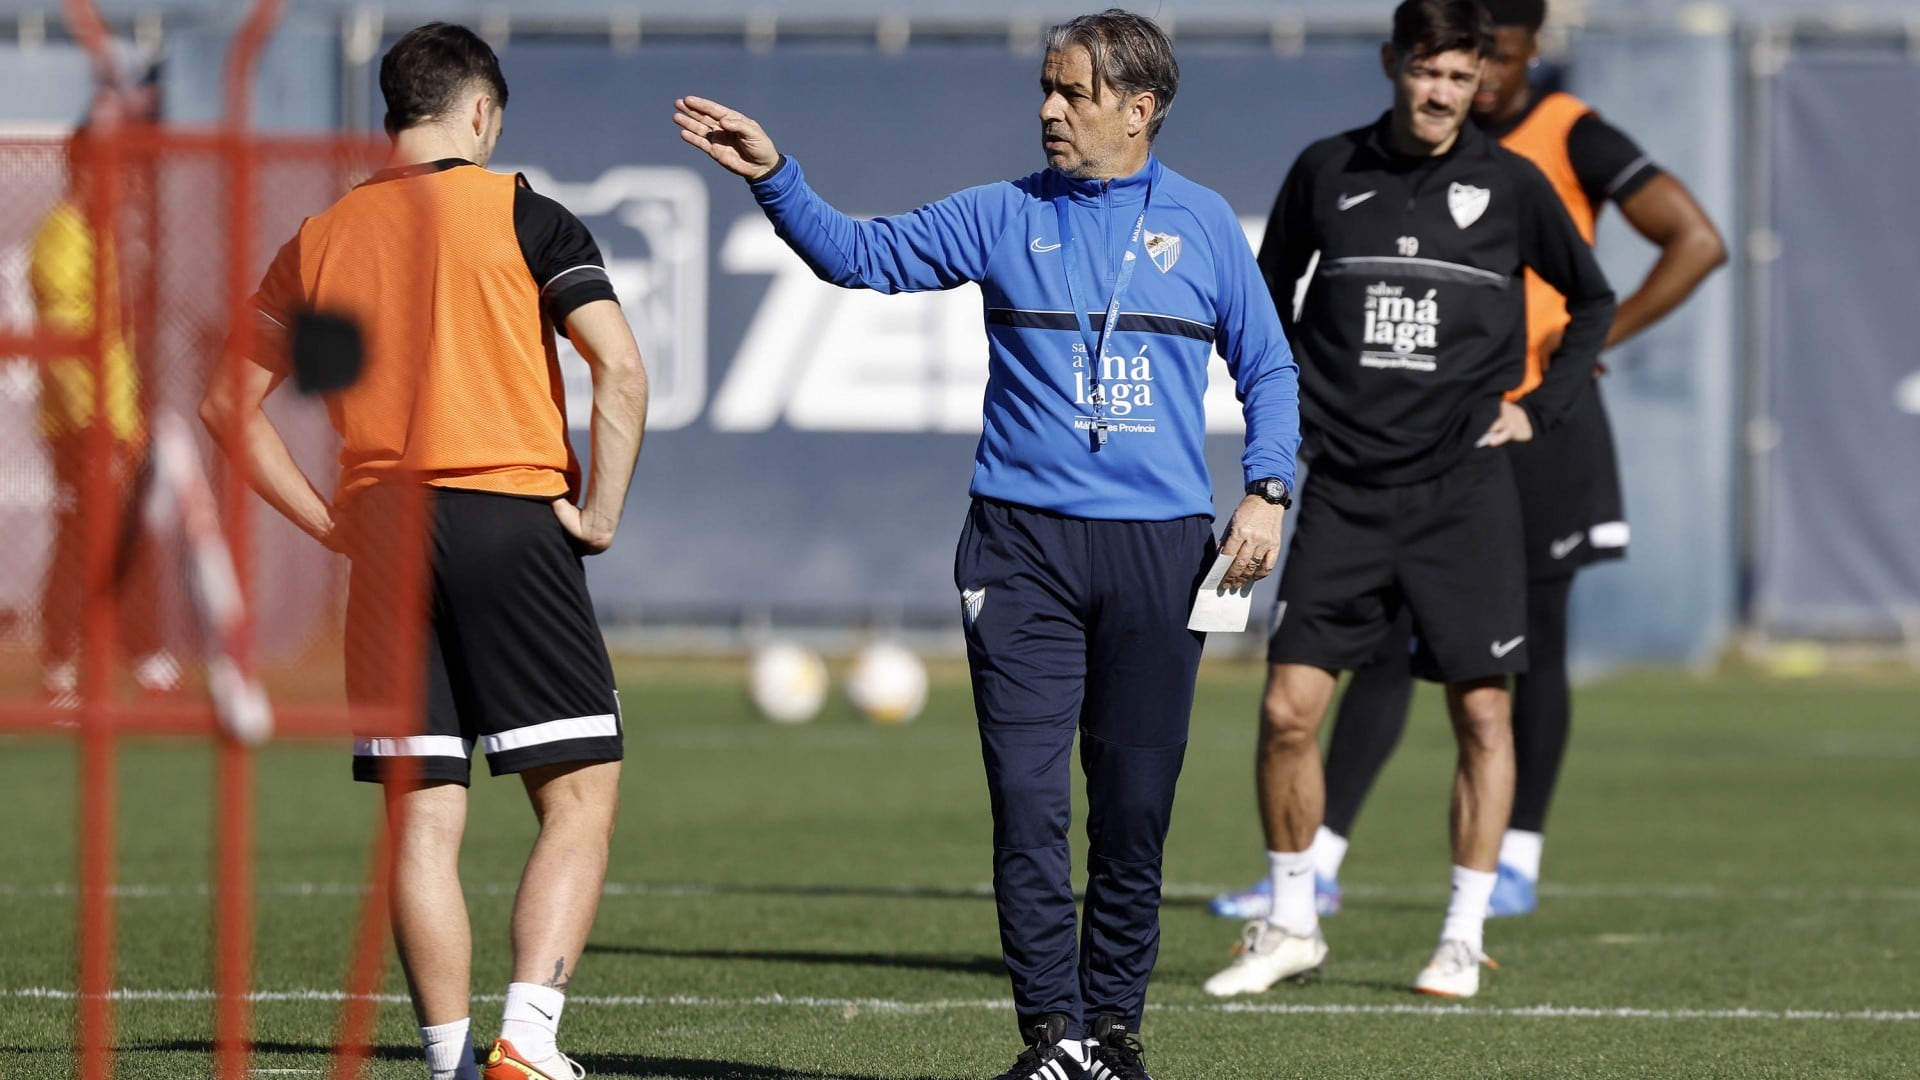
pixel 233 906
pixel 98 740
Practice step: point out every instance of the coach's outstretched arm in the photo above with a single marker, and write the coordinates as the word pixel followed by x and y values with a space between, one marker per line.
pixel 939 246
pixel 600 331
pixel 733 139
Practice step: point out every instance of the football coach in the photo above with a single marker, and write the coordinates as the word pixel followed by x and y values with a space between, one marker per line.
pixel 1107 280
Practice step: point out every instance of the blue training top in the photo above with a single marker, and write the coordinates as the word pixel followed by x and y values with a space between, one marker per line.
pixel 1194 284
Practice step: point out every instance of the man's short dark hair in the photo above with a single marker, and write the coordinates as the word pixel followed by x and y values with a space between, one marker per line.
pixel 1531 14
pixel 1432 27
pixel 1129 52
pixel 429 68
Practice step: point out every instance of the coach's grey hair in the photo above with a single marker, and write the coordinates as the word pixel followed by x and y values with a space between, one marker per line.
pixel 1130 53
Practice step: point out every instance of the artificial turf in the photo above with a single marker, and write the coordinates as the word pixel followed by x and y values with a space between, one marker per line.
pixel 1732 885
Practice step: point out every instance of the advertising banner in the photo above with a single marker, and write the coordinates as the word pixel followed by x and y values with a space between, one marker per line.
pixel 1840 539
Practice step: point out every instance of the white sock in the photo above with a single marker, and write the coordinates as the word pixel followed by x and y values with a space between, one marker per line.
pixel 157 671
pixel 531 1019
pixel 450 1050
pixel 1292 875
pixel 1521 850
pixel 1467 910
pixel 1328 850
pixel 61 678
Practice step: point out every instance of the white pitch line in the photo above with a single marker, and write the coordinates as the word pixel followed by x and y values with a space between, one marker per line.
pixel 1356 890
pixel 1648 890
pixel 891 1006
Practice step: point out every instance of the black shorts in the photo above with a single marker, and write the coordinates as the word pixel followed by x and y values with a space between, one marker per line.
pixel 1446 550
pixel 1569 482
pixel 515 660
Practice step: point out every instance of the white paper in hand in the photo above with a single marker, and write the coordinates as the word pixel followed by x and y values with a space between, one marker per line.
pixel 1216 610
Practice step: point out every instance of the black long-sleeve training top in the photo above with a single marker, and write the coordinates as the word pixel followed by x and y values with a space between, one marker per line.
pixel 1414 322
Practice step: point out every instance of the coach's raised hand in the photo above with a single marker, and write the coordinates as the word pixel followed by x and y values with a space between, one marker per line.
pixel 734 140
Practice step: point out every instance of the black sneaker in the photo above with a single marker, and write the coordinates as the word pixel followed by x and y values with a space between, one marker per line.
pixel 1113 1053
pixel 1045 1060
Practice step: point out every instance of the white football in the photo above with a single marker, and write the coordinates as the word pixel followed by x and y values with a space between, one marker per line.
pixel 788 682
pixel 888 683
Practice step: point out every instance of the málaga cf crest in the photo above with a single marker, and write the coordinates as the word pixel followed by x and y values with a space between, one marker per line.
pixel 1163 249
pixel 1467 202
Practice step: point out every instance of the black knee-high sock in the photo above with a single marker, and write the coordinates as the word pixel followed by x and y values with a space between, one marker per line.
pixel 1542 705
pixel 1373 716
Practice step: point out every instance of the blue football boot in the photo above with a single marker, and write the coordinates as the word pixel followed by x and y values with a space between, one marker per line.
pixel 1514 893
pixel 1256 900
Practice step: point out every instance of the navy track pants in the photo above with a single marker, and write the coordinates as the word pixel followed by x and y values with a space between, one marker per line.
pixel 1078 625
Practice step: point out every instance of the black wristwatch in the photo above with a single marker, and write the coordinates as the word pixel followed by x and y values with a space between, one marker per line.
pixel 1273 489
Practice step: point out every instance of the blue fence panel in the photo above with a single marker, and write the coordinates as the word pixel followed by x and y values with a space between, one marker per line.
pixel 812 446
pixel 47 84
pixel 1673 392
pixel 296 85
pixel 1841 508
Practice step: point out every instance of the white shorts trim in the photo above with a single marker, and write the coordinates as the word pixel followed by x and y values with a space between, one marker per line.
pixel 605 725
pixel 1609 534
pixel 415 746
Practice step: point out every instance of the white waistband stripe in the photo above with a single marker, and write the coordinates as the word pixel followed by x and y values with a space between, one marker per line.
pixel 606 725
pixel 414 746
pixel 1609 534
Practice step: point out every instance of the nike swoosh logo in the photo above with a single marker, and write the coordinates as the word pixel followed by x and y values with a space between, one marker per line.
pixel 1348 202
pixel 1502 648
pixel 539 1010
pixel 1039 248
pixel 1560 549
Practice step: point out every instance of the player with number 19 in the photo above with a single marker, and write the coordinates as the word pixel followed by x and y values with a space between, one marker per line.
pixel 1569 482
pixel 1410 330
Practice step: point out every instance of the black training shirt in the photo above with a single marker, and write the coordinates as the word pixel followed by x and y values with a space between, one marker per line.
pixel 1414 323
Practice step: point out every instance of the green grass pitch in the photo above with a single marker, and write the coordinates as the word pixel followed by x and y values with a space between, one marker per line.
pixel 1732 889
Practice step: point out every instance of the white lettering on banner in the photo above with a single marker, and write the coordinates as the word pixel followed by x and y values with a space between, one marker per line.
pixel 822 358
pixel 829 359
pixel 651 226
pixel 1906 393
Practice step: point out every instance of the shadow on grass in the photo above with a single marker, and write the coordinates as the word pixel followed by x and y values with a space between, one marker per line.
pixel 965 965
pixel 204 1047
pixel 828 891
pixel 597 1065
pixel 875 892
pixel 641 1065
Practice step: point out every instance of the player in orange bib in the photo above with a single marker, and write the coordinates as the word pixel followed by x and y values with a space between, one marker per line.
pixel 459 278
pixel 1569 487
